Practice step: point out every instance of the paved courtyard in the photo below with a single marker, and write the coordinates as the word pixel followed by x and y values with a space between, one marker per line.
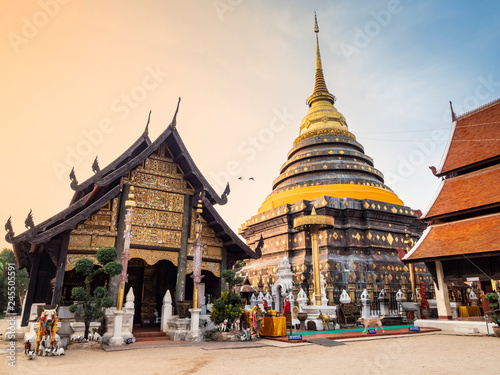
pixel 430 353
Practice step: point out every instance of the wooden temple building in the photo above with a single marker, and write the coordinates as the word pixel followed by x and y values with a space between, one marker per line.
pixel 327 170
pixel 463 239
pixel 167 186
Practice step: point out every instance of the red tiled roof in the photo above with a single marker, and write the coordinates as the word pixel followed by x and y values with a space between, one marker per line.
pixel 469 236
pixel 476 189
pixel 476 138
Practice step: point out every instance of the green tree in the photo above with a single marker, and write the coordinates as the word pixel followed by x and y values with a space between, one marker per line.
pixel 493 298
pixel 93 302
pixel 21 282
pixel 229 305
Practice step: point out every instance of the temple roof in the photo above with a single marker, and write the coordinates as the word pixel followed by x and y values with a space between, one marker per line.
pixel 123 164
pixel 475 236
pixel 106 184
pixel 142 143
pixel 465 213
pixel 326 159
pixel 474 139
pixel 236 247
pixel 466 192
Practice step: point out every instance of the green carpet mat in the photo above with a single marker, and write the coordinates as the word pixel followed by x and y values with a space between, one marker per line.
pixel 349 330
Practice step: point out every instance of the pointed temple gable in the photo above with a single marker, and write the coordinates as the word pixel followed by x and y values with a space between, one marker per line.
pixel 167 184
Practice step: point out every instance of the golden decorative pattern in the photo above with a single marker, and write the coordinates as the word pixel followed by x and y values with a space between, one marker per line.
pixel 210 252
pixel 156 237
pixel 323 132
pixel 160 164
pixel 156 199
pixel 390 239
pixel 156 218
pixel 159 182
pixel 79 240
pixel 104 241
pixel 151 257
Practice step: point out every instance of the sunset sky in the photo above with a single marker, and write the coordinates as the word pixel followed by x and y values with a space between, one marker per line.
pixel 78 79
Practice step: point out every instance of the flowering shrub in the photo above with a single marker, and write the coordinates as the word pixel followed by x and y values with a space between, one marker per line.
pixel 228 306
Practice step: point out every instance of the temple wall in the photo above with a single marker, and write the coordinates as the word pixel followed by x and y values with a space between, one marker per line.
pixel 362 245
pixel 160 190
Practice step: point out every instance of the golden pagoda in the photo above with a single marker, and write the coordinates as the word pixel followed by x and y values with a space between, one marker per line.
pixel 327 170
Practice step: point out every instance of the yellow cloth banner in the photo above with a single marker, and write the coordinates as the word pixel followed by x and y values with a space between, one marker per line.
pixel 273 326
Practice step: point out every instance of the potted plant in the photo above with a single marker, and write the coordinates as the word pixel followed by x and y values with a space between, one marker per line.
pixel 93 302
pixel 492 298
pixel 228 307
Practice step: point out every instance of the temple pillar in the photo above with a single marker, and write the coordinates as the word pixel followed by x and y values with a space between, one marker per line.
pixel 35 263
pixel 388 290
pixel 113 284
pixel 370 286
pixel 404 287
pixel 260 285
pixel 442 297
pixel 180 286
pixel 329 288
pixel 223 266
pixel 351 286
pixel 432 290
pixel 295 291
pixel 60 269
pixel 311 288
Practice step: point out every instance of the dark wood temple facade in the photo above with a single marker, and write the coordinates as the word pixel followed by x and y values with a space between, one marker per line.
pixel 463 238
pixel 167 185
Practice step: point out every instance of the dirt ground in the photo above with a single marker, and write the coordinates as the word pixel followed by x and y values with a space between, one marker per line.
pixel 416 354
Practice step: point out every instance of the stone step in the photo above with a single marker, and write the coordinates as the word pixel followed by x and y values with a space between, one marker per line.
pixel 149 334
pixel 153 339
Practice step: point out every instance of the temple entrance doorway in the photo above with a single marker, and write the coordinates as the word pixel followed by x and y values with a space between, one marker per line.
pixel 150 283
pixel 212 286
pixel 135 279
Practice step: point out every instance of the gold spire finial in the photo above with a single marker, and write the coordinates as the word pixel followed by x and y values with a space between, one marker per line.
pixel 320 89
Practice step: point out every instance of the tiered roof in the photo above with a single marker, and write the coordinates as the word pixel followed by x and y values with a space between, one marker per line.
pixel 91 195
pixel 474 140
pixel 465 212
